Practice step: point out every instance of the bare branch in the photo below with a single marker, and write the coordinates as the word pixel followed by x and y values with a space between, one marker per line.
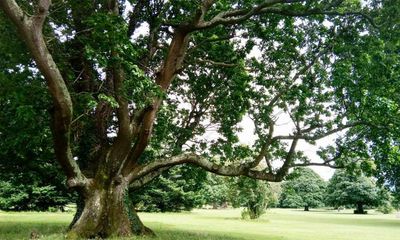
pixel 323 164
pixel 317 136
pixel 214 63
pixel 240 15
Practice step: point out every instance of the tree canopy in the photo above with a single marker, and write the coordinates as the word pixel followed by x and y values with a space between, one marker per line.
pixel 346 189
pixel 136 87
pixel 303 188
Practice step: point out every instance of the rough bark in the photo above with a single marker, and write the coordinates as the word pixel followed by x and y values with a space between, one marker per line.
pixel 106 211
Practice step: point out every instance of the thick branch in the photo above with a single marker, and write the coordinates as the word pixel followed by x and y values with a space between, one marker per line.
pixel 30 29
pixel 173 62
pixel 138 183
pixel 282 172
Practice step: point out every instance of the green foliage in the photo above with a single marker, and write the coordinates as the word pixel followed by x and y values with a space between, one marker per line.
pixel 30 179
pixel 386 208
pixel 303 188
pixel 216 191
pixel 386 201
pixel 251 194
pixel 178 190
pixel 18 197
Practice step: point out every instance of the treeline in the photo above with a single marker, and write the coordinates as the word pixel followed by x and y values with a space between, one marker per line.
pixel 185 188
pixel 303 188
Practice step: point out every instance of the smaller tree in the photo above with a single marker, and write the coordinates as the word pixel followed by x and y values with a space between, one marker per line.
pixel 347 189
pixel 303 188
pixel 251 194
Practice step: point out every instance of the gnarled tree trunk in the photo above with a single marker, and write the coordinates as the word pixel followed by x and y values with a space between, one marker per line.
pixel 106 211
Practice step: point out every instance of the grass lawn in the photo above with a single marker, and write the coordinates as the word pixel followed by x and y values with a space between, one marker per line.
pixel 282 224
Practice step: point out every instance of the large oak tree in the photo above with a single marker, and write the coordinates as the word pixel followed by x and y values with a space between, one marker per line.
pixel 136 86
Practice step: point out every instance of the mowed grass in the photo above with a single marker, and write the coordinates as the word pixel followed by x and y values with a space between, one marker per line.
pixel 282 224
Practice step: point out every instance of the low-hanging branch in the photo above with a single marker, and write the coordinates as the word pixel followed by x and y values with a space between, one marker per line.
pixel 191 158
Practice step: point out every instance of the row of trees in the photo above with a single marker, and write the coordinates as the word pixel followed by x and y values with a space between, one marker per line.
pixel 305 188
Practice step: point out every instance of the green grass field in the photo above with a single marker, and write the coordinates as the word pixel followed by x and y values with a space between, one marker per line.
pixel 282 224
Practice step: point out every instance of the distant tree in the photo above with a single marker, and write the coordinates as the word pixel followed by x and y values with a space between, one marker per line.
pixel 303 188
pixel 347 189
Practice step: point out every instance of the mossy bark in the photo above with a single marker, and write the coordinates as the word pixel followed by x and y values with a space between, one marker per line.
pixel 106 212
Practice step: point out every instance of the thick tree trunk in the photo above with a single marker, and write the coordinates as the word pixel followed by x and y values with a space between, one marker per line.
pixel 106 212
pixel 306 208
